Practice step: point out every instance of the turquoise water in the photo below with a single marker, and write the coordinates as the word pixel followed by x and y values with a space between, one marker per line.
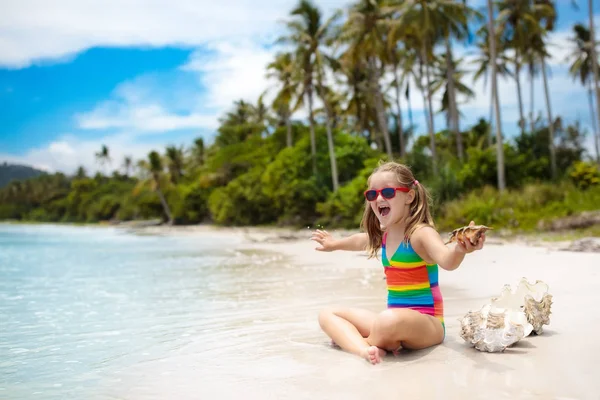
pixel 80 304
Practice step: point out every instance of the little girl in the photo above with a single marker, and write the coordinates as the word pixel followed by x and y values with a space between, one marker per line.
pixel 397 219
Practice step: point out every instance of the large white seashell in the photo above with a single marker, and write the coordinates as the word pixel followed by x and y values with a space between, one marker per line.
pixel 533 299
pixel 493 329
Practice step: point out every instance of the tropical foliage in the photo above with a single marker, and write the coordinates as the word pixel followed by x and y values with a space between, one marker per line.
pixel 340 87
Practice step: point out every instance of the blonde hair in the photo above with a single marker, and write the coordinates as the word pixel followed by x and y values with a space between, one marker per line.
pixel 419 208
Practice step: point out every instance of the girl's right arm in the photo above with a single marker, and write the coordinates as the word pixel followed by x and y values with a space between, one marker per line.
pixel 356 242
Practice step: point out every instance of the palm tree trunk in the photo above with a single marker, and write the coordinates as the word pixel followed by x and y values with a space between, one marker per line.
pixel 492 99
pixel 531 105
pixel 399 115
pixel 430 107
pixel 593 118
pixel 499 145
pixel 288 126
pixel 332 160
pixel 519 95
pixel 380 109
pixel 410 114
pixel 163 201
pixel 311 121
pixel 550 121
pixel 594 63
pixel 453 111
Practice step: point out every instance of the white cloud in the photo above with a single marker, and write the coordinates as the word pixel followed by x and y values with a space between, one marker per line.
pixel 34 30
pixel 231 70
pixel 67 153
pixel 143 119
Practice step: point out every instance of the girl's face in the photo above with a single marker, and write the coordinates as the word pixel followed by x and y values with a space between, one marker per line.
pixel 389 211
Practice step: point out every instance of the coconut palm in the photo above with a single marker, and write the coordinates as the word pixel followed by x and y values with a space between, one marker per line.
pixel 516 20
pixel 364 33
pixel 198 152
pixel 441 82
pixel 454 25
pixel 581 67
pixel 175 163
pixel 282 69
pixel 595 68
pixel 499 144
pixel 103 156
pixel 308 34
pixel 483 62
pixel 127 164
pixel 420 24
pixel 153 174
pixel 545 14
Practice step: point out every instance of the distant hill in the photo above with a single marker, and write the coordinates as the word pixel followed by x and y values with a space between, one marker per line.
pixel 9 172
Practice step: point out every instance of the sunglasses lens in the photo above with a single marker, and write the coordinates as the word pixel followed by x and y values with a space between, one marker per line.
pixel 388 193
pixel 371 195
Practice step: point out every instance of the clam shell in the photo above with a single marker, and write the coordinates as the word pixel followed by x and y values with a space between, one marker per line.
pixel 493 329
pixel 473 233
pixel 533 299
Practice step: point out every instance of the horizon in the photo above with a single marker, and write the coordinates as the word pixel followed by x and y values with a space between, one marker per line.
pixel 138 79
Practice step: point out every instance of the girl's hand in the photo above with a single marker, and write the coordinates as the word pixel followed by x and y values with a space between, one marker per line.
pixel 465 246
pixel 324 239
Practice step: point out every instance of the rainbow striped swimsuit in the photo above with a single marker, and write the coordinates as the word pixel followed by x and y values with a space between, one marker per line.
pixel 411 283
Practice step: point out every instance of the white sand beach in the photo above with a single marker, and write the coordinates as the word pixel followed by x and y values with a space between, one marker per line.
pixel 278 351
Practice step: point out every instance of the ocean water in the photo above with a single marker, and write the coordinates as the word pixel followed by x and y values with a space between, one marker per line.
pixel 81 307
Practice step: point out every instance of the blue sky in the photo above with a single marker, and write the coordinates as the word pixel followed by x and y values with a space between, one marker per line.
pixel 137 76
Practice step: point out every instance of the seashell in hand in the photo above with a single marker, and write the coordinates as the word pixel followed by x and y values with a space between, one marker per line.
pixel 493 329
pixel 473 233
pixel 533 299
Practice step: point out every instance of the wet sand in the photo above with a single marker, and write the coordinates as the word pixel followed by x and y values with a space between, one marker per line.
pixel 268 345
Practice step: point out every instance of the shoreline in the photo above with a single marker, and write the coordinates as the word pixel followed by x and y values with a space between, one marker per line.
pixel 567 240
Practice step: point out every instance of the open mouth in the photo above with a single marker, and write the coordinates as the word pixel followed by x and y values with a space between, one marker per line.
pixel 384 210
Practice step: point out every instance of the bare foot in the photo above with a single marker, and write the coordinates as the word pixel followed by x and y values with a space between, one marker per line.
pixel 373 354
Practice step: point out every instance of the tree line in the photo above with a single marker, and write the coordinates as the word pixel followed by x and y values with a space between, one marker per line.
pixel 354 74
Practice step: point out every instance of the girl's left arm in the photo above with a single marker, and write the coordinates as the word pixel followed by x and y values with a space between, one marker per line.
pixel 430 246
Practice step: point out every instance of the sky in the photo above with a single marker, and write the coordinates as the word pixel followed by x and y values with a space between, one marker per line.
pixel 138 75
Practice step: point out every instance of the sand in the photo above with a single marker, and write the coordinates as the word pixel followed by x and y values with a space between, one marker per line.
pixel 286 356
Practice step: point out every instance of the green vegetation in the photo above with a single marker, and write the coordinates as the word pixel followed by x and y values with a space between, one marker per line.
pixel 264 167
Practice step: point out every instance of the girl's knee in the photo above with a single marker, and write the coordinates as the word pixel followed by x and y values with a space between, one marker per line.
pixel 326 315
pixel 388 321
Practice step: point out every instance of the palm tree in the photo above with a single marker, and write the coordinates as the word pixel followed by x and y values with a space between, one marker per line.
pixel 309 34
pixel 581 67
pixel 545 14
pixel 327 98
pixel 483 63
pixel 282 69
pixel 364 32
pixel 499 144
pixel 595 67
pixel 516 21
pixel 80 174
pixel 198 151
pixel 103 156
pixel 175 163
pixel 154 167
pixel 127 163
pixel 398 57
pixel 454 24
pixel 419 25
pixel 441 81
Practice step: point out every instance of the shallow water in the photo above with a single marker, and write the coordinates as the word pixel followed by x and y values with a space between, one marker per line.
pixel 98 313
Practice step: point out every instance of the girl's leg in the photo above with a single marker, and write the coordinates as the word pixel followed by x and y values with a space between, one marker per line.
pixel 348 328
pixel 397 328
